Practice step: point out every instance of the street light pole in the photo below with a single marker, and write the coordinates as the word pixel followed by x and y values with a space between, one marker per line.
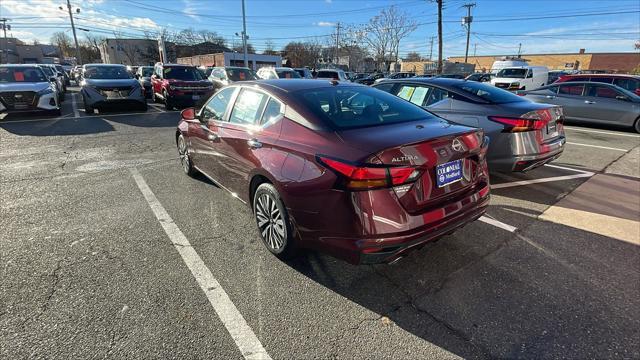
pixel 75 38
pixel 244 37
pixel 467 21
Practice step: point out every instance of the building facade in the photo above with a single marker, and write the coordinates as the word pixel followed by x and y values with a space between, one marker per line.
pixel 129 51
pixel 256 61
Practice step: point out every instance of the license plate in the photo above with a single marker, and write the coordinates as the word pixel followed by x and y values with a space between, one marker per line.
pixel 448 173
pixel 552 129
pixel 195 97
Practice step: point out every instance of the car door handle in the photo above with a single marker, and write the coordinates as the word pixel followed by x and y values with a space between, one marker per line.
pixel 212 136
pixel 254 144
pixel 550 97
pixel 589 102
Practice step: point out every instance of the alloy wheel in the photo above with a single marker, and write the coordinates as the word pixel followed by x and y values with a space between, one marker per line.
pixel 270 222
pixel 184 157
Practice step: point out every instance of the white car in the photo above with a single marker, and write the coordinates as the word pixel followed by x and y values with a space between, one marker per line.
pixel 521 78
pixel 26 88
pixel 277 73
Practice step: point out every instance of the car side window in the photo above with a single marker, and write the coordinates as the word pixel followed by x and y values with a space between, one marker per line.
pixel 217 105
pixel 571 89
pixel 601 91
pixel 414 94
pixel 272 112
pixel 436 96
pixel 606 80
pixel 629 84
pixel 387 87
pixel 248 107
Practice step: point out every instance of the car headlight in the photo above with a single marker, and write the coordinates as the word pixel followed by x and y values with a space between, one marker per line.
pixel 45 91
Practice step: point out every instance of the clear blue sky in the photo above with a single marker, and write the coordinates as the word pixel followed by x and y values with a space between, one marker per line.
pixel 549 26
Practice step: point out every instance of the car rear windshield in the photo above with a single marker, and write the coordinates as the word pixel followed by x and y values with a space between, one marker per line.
pixel 328 75
pixel 183 73
pixel 489 93
pixel 512 73
pixel 288 74
pixel 22 74
pixel 353 107
pixel 147 71
pixel 106 72
pixel 240 74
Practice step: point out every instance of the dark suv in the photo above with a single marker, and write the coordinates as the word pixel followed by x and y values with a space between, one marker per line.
pixel 178 85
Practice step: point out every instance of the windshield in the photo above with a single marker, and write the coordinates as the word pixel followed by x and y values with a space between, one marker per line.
pixel 240 74
pixel 490 93
pixel 22 74
pixel 147 71
pixel 512 73
pixel 106 72
pixel 352 107
pixel 183 73
pixel 47 70
pixel 287 74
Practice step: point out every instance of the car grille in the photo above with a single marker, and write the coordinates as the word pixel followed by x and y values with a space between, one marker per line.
pixel 19 100
pixel 503 85
pixel 115 92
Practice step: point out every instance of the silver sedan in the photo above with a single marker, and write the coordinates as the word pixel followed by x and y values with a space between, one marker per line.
pixel 591 102
pixel 524 135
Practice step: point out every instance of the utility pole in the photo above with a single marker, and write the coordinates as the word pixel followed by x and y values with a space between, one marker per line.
pixel 467 20
pixel 519 48
pixel 439 69
pixel 73 27
pixel 5 51
pixel 244 36
pixel 431 48
pixel 337 43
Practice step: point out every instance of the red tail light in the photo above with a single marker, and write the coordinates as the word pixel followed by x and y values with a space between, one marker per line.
pixel 532 120
pixel 372 176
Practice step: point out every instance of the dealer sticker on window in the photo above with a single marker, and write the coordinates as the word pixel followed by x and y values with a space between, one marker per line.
pixel 448 173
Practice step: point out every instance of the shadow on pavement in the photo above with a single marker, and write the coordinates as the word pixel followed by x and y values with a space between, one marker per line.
pixel 145 119
pixel 549 291
pixel 59 127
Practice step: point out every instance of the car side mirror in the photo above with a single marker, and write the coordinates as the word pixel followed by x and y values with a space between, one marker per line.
pixel 188 114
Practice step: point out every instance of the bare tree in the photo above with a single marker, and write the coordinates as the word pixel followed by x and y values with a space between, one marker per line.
pixel 384 32
pixel 413 56
pixel 269 48
pixel 301 54
pixel 240 49
pixel 63 42
pixel 131 52
pixel 212 37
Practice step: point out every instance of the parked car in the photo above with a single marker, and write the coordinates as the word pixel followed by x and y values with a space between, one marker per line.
pixel 555 75
pixel 53 76
pixel 76 74
pixel 304 73
pixel 332 74
pixel 521 78
pixel 358 76
pixel 105 86
pixel 591 102
pixel 369 80
pixel 337 167
pixel 480 77
pixel 450 76
pixel 225 75
pixel 143 75
pixel 524 135
pixel 628 82
pixel 278 73
pixel 61 70
pixel 398 75
pixel 26 88
pixel 178 85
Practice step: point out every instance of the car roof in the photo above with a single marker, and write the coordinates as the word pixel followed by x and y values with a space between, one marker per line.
pixel 604 75
pixel 289 85
pixel 427 80
pixel 103 65
pixel 19 65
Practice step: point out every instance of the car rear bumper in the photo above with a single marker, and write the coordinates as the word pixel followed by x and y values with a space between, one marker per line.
pixel 387 234
pixel 516 152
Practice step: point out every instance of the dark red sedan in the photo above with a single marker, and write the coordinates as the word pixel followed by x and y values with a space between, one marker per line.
pixel 337 167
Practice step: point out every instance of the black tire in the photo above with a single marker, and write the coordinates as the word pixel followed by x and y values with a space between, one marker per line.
pixel 167 104
pixel 87 108
pixel 144 106
pixel 273 222
pixel 153 96
pixel 183 156
pixel 636 126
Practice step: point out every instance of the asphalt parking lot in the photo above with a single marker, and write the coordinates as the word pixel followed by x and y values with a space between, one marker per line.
pixel 109 250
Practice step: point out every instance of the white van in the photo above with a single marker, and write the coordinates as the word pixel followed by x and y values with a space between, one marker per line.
pixel 506 62
pixel 521 78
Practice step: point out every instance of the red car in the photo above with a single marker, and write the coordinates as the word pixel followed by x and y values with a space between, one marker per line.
pixel 337 167
pixel 628 82
pixel 178 85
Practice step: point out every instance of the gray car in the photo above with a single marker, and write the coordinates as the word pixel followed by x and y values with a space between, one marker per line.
pixel 591 102
pixel 26 88
pixel 143 74
pixel 106 86
pixel 524 135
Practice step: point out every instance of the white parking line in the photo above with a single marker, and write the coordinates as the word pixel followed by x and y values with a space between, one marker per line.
pixel 157 107
pixel 598 146
pixel 245 339
pixel 580 174
pixel 600 132
pixel 80 117
pixel 496 223
pixel 569 169
pixel 76 114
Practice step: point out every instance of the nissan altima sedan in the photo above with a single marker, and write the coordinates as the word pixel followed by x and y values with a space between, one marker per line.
pixel 591 102
pixel 342 168
pixel 524 135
